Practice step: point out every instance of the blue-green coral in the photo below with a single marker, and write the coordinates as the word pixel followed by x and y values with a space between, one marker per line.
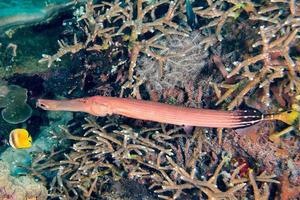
pixel 13 101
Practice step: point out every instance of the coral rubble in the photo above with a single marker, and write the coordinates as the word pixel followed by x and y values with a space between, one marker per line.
pixel 21 188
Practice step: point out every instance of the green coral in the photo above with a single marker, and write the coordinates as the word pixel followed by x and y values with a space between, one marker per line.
pixel 13 101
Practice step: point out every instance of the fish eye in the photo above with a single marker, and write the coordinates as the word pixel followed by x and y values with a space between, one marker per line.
pixel 289 112
pixel 39 104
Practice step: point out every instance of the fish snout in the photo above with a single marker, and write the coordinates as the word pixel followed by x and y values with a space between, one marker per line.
pixel 43 103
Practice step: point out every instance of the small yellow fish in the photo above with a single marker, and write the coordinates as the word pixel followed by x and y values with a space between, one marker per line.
pixel 289 117
pixel 19 138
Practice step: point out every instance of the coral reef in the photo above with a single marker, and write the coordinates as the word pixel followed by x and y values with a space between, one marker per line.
pixel 268 59
pixel 18 160
pixel 213 54
pixel 19 53
pixel 21 188
pixel 137 23
pixel 168 161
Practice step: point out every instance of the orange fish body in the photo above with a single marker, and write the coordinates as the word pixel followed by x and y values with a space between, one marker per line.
pixel 154 111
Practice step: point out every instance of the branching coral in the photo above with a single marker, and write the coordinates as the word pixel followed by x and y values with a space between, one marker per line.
pixel 168 161
pixel 144 31
pixel 138 23
pixel 270 71
pixel 266 63
pixel 267 72
pixel 141 19
pixel 63 49
pixel 275 61
pixel 218 12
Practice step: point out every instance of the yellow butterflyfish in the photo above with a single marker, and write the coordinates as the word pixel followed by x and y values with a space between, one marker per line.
pixel 20 138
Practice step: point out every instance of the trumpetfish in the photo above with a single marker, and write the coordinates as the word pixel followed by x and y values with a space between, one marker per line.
pixel 164 113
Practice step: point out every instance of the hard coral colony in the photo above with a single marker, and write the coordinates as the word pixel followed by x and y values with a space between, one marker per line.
pixel 224 64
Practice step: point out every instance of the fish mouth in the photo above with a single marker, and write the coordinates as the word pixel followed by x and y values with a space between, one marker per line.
pixel 44 104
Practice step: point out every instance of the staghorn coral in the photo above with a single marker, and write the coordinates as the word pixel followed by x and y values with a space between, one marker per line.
pixel 219 12
pixel 21 188
pixel 269 57
pixel 137 19
pixel 166 160
pixel 139 23
pixel 266 63
pixel 63 50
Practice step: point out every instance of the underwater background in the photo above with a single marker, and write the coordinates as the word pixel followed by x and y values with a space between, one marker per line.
pixel 229 56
